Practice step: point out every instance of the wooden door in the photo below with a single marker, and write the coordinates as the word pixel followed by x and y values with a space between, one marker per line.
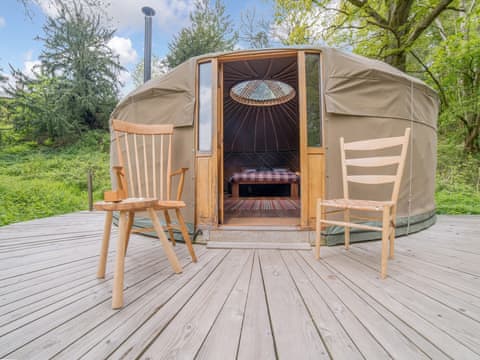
pixel 220 163
pixel 312 152
pixel 206 169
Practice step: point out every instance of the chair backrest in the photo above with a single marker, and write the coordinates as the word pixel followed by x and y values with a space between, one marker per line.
pixel 375 162
pixel 145 153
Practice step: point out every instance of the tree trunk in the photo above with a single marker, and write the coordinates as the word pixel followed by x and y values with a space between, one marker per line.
pixel 472 140
pixel 398 60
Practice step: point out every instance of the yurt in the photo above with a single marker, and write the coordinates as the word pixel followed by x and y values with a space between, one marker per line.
pixel 259 131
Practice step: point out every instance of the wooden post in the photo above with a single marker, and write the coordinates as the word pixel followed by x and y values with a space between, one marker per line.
pixel 90 189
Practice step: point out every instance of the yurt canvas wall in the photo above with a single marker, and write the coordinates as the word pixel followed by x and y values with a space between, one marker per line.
pixel 168 100
pixel 369 99
pixel 362 99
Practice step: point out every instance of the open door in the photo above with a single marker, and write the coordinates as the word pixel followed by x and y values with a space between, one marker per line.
pixel 206 169
pixel 312 151
pixel 259 136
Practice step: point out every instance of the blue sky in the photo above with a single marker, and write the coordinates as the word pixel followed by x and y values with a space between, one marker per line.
pixel 19 47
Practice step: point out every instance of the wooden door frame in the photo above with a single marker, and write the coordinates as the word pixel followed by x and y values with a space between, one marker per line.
pixel 206 162
pixel 220 117
pixel 306 152
pixel 219 144
pixel 302 113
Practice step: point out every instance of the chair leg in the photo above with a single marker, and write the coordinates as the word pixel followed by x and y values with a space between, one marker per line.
pixel 117 295
pixel 169 226
pixel 392 232
pixel 318 229
pixel 172 258
pixel 131 219
pixel 346 218
pixel 186 236
pixel 105 241
pixel 385 236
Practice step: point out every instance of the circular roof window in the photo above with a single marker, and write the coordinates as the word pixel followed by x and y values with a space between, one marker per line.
pixel 262 92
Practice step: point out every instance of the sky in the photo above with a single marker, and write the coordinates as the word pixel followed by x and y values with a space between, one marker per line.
pixel 18 31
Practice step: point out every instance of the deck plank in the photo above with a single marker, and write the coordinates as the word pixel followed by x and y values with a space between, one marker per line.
pixel 300 337
pixel 256 341
pixel 184 341
pixel 412 325
pixel 26 344
pixel 468 305
pixel 455 323
pixel 144 336
pixel 243 303
pixel 337 340
pixel 392 340
pixel 115 332
pixel 223 339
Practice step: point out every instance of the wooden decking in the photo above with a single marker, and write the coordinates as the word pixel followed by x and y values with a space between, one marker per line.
pixel 245 304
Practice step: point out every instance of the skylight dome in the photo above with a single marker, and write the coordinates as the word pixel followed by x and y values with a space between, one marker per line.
pixel 262 92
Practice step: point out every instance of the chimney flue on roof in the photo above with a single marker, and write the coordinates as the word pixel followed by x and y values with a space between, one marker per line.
pixel 147 61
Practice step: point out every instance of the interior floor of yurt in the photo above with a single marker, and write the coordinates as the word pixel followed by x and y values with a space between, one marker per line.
pixel 261 211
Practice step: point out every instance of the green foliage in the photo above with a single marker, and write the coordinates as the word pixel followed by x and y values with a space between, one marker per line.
pixel 455 69
pixel 38 181
pixel 159 67
pixel 256 32
pixel 76 51
pixel 297 22
pixel 39 108
pixel 76 87
pixel 458 180
pixel 375 28
pixel 211 30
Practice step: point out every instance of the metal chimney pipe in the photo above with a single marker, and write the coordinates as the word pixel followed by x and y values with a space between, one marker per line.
pixel 147 61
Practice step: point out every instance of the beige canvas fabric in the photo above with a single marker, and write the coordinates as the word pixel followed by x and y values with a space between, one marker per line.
pixel 363 99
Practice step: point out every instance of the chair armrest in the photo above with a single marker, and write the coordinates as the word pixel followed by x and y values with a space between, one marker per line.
pixel 121 192
pixel 181 172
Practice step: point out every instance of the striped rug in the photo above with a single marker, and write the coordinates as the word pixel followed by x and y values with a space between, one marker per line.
pixel 261 204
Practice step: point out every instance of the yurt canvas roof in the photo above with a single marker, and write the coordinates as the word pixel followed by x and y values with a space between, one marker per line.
pixel 363 98
pixel 347 75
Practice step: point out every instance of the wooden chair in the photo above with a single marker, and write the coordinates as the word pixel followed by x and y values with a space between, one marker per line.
pixel 387 209
pixel 144 182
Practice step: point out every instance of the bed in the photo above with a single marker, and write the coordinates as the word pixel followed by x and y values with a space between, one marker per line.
pixel 263 176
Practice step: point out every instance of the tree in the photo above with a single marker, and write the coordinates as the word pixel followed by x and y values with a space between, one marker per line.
pixel 376 28
pixel 211 30
pixel 454 66
pixel 256 32
pixel 96 6
pixel 76 51
pixel 159 67
pixel 297 22
pixel 38 109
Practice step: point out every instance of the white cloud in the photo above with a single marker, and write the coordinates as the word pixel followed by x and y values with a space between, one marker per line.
pixel 2 22
pixel 170 15
pixel 31 67
pixel 48 7
pixel 123 48
pixel 124 77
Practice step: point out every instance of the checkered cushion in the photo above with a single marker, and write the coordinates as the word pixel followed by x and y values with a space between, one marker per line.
pixel 274 177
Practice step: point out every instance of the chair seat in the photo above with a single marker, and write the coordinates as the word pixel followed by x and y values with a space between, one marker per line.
pixel 369 205
pixel 136 204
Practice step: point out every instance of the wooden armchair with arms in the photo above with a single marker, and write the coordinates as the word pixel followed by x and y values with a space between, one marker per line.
pixel 387 208
pixel 144 181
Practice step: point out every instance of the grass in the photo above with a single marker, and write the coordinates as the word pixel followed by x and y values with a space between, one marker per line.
pixel 41 181
pixel 458 180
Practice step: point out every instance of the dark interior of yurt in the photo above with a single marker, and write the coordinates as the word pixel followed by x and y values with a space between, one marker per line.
pixel 261 139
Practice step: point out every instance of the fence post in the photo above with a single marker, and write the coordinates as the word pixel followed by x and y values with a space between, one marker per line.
pixel 90 189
